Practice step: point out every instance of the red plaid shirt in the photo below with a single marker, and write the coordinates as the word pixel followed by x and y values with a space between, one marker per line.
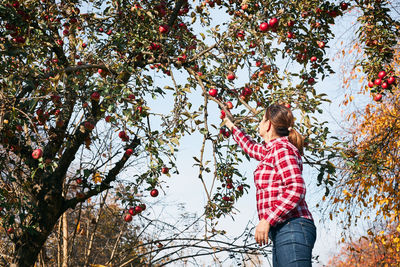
pixel 280 188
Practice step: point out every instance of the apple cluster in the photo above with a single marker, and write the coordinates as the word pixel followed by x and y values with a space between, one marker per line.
pixel 382 82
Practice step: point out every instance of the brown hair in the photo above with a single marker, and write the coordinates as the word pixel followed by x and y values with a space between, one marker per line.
pixel 282 119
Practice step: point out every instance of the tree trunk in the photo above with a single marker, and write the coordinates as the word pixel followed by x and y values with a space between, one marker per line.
pixel 30 241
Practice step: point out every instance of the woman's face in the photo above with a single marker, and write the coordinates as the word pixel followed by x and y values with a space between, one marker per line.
pixel 263 126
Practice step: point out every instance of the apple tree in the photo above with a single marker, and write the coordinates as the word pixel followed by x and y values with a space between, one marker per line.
pixel 81 80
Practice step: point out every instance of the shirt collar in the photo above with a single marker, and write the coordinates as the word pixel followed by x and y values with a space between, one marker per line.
pixel 271 143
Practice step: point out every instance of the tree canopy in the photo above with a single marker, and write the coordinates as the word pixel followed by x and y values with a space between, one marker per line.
pixel 81 81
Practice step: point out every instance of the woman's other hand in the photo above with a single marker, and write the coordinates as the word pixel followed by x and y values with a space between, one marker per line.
pixel 262 231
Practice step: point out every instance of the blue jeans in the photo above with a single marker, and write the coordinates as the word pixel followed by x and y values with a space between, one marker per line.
pixel 293 242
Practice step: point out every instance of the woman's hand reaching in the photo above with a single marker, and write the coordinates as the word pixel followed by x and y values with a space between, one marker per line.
pixel 228 123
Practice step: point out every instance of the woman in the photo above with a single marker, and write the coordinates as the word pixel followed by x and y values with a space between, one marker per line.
pixel 280 188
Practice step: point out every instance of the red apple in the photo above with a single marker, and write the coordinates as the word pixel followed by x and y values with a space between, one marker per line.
pixel 290 35
pixel 223 114
pixel 313 59
pixel 122 134
pixel 378 97
pixel 154 193
pixel 95 96
pixel 382 74
pixel 321 44
pixel 129 152
pixel 164 170
pixel 88 125
pixel 231 76
pixel 311 80
pixel 163 28
pixel 370 84
pixel 258 63
pixel 84 45
pixel 226 198
pixel 138 209
pixel 385 85
pixel 273 22
pixel 108 118
pixel 10 230
pixel 264 27
pixel 290 23
pixel 378 81
pixel 240 188
pixel 229 105
pixel 213 92
pixel 132 211
pixel 391 80
pixel 143 206
pixel 60 42
pixel 37 153
pixel 344 5
pixel 128 218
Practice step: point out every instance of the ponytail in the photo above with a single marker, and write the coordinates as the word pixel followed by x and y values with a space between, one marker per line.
pixel 297 140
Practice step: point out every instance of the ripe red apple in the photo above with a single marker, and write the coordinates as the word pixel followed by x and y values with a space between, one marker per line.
pixel 385 85
pixel 378 97
pixel 240 188
pixel 382 74
pixel 226 198
pixel 391 80
pixel 108 118
pixel 154 192
pixel 10 230
pixel 122 134
pixel 264 27
pixel 164 170
pixel 223 114
pixel 313 59
pixel 213 92
pixel 290 23
pixel 138 209
pixel 273 22
pixel 290 35
pixel 378 81
pixel 129 152
pixel 344 6
pixel 132 211
pixel 163 28
pixel 88 125
pixel 95 96
pixel 370 84
pixel 84 45
pixel 60 42
pixel 229 105
pixel 128 218
pixel 231 76
pixel 37 153
pixel 310 80
pixel 143 206
pixel 258 63
pixel 321 44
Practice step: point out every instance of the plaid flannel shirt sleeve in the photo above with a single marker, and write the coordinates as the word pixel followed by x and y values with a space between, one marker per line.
pixel 287 166
pixel 251 148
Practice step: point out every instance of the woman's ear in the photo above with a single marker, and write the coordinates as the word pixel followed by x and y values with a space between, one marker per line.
pixel 269 125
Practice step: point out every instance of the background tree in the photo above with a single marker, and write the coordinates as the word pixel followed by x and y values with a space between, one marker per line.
pixel 367 190
pixel 81 80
